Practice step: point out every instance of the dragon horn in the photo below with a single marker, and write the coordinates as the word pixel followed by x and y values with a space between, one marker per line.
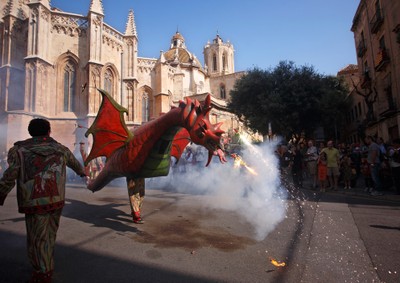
pixel 187 108
pixel 207 103
pixel 217 126
pixel 207 111
pixel 197 106
pixel 192 117
pixel 210 155
pixel 188 100
pixel 217 129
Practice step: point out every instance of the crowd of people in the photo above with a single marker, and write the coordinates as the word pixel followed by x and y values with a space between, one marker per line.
pixel 372 164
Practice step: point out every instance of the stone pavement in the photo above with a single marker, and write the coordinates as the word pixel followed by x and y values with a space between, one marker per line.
pixel 321 239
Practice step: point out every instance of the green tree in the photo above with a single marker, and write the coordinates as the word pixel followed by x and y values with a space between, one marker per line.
pixel 293 99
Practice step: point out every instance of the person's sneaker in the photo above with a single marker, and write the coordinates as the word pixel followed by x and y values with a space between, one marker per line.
pixel 136 218
pixel 138 221
pixel 376 193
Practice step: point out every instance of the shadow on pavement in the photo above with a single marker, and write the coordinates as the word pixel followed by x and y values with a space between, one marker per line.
pixel 99 215
pixel 75 265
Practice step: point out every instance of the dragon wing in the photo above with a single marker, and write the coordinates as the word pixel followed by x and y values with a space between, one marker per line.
pixel 108 129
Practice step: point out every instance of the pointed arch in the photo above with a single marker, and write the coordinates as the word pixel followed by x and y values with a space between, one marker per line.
pixel 110 80
pixel 214 62
pixel 224 62
pixel 145 107
pixel 31 78
pixel 222 91
pixel 67 83
pixel 130 101
pixel 69 86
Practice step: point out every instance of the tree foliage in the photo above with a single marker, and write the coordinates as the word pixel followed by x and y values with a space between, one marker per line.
pixel 293 99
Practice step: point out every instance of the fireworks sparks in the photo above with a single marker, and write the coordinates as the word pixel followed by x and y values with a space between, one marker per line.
pixel 277 263
pixel 238 162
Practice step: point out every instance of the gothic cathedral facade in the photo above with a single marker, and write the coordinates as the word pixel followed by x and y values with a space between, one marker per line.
pixel 52 63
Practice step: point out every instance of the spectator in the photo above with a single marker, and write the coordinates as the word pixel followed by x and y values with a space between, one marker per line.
pixel 356 157
pixel 311 158
pixel 39 165
pixel 332 157
pixel 366 172
pixel 394 159
pixel 374 162
pixel 321 147
pixel 345 166
pixel 201 157
pixel 322 171
pixel 285 163
pixel 297 166
pixel 382 147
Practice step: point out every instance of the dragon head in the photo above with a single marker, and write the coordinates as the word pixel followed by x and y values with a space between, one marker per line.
pixel 202 132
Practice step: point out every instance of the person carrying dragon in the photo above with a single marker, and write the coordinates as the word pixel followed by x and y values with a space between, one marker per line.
pixel 146 151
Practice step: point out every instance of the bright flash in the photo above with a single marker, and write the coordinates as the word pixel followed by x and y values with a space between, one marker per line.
pixel 240 163
pixel 277 263
pixel 251 170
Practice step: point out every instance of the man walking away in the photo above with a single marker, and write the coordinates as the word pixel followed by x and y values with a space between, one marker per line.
pixel 39 165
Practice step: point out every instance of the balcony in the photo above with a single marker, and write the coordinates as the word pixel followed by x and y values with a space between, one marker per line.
pixel 376 21
pixel 381 59
pixel 361 48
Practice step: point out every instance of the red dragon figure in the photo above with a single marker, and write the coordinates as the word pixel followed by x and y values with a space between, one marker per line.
pixel 146 152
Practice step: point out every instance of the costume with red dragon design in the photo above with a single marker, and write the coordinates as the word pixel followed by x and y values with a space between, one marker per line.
pixel 146 152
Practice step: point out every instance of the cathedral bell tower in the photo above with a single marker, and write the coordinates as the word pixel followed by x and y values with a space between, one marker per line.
pixel 219 57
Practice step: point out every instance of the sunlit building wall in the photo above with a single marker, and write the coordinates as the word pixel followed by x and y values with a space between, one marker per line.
pixel 52 62
pixel 376 28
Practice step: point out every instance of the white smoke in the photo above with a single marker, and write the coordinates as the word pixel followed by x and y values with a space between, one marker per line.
pixel 257 198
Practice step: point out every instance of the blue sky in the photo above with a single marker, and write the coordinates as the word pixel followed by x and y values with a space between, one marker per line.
pixel 263 32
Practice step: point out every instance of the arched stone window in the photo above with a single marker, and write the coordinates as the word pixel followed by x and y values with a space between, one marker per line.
pixel 214 62
pixel 69 90
pixel 109 81
pixel 224 67
pixel 145 108
pixel 222 91
pixel 130 101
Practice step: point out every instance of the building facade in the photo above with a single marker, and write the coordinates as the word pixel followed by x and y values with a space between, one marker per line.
pixel 376 28
pixel 52 63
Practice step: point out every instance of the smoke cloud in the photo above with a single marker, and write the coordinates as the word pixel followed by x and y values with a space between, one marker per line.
pixel 257 197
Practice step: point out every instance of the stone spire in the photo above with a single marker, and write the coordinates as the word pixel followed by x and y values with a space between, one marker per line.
pixel 96 6
pixel 15 8
pixel 45 3
pixel 130 25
